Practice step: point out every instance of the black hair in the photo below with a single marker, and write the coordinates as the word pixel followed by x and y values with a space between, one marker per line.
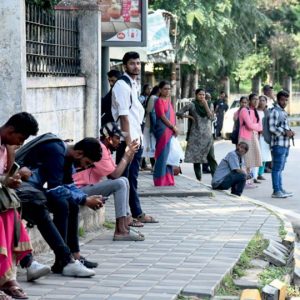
pixel 91 148
pixel 199 90
pixel 222 92
pixel 282 94
pixel 145 86
pixel 263 96
pixel 245 145
pixel 23 123
pixel 153 92
pixel 243 97
pixel 163 83
pixel 130 55
pixel 114 73
pixel 252 95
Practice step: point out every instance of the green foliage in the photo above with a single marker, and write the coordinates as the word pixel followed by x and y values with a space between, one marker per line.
pixel 46 4
pixel 109 224
pixel 253 65
pixel 271 273
pixel 81 232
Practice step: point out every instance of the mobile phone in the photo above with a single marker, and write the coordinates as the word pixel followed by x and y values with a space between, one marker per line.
pixel 12 171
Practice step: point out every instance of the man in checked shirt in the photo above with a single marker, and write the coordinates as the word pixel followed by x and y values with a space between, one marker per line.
pixel 281 134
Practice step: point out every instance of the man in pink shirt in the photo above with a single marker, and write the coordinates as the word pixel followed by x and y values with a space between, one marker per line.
pixel 91 181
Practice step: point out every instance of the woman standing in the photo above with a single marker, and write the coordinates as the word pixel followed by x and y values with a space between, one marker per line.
pixel 164 129
pixel 149 138
pixel 250 126
pixel 200 147
pixel 264 147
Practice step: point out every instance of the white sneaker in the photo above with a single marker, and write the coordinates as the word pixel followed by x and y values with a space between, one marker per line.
pixel 279 194
pixel 77 269
pixel 37 270
pixel 289 194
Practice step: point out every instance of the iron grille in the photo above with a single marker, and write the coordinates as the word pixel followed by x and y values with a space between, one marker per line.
pixel 52 47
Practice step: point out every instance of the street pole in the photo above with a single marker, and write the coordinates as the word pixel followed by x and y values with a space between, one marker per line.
pixel 105 69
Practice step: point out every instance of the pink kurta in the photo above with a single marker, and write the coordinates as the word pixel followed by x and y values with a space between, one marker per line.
pixel 9 253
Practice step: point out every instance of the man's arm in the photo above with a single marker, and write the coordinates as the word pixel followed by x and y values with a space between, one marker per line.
pixel 274 124
pixel 124 123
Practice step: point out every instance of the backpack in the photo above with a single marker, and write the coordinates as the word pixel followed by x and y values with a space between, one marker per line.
pixel 234 136
pixel 267 134
pixel 106 115
pixel 22 153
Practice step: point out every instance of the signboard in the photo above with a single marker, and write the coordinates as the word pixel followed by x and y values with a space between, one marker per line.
pixel 124 22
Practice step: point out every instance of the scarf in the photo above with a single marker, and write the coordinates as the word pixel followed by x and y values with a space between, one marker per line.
pixel 200 109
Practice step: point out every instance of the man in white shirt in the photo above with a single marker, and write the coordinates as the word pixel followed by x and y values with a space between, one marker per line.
pixel 129 112
pixel 268 92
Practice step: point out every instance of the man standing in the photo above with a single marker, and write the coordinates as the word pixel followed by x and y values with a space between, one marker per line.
pixel 221 108
pixel 230 172
pixel 129 112
pixel 281 134
pixel 106 116
pixel 268 92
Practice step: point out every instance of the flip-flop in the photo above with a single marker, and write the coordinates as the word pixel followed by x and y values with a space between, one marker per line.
pixel 14 291
pixel 132 236
pixel 143 218
pixel 4 296
pixel 135 223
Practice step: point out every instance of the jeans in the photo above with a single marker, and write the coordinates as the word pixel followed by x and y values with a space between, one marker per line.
pixel 279 157
pixel 132 173
pixel 35 210
pixel 235 181
pixel 118 187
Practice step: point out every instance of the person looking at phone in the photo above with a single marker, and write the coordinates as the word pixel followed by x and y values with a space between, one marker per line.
pixel 12 135
pixel 52 162
pixel 91 181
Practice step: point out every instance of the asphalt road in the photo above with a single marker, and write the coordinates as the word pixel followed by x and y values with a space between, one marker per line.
pixel 291 179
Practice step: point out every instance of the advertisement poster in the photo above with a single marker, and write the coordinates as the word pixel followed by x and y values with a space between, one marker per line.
pixel 122 22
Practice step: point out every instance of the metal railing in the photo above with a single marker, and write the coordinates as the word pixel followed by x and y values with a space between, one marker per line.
pixel 52 46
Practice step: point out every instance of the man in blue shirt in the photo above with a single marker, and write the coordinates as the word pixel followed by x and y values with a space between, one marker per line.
pixel 230 172
pixel 49 185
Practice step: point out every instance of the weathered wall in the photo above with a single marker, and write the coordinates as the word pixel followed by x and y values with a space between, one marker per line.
pixel 58 105
pixel 12 57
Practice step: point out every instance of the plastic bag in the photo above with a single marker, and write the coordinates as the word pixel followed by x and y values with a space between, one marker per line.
pixel 176 154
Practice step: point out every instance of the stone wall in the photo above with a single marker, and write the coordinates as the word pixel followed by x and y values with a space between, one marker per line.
pixel 58 105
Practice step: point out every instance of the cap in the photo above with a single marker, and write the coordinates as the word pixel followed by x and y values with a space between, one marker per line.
pixel 267 87
pixel 112 128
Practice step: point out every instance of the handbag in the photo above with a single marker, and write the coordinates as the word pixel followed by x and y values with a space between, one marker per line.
pixel 8 199
pixel 175 154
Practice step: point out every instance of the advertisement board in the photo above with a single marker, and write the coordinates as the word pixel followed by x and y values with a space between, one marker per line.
pixel 124 23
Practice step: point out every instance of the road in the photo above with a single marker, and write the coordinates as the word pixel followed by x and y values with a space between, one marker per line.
pixel 289 206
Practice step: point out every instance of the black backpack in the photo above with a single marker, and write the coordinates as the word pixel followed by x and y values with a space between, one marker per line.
pixel 234 136
pixel 106 115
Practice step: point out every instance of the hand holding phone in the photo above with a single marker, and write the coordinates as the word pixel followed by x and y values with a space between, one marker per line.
pixel 12 178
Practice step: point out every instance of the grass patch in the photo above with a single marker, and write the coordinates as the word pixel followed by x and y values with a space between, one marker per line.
pixel 282 231
pixel 109 224
pixel 253 250
pixel 271 273
pixel 81 232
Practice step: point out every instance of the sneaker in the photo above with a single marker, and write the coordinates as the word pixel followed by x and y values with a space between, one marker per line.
pixel 260 177
pixel 87 263
pixel 37 270
pixel 289 194
pixel 279 194
pixel 77 269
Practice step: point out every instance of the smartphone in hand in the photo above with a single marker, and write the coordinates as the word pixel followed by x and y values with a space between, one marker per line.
pixel 12 171
pixel 104 199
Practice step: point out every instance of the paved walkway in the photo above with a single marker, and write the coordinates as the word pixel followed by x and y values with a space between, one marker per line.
pixel 198 240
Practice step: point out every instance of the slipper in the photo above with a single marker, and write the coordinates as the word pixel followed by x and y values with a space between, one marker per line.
pixel 137 232
pixel 3 296
pixel 136 223
pixel 146 219
pixel 130 237
pixel 14 291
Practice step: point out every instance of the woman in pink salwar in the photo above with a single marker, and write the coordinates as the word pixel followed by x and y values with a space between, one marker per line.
pixel 14 240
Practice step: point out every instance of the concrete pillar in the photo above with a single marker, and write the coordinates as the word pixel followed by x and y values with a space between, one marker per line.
pixel 105 68
pixel 12 58
pixel 288 86
pixel 89 19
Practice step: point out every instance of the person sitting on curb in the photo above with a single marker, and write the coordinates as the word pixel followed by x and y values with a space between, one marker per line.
pixel 91 181
pixel 52 162
pixel 15 243
pixel 230 172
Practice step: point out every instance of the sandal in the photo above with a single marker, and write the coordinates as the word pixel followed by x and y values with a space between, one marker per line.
pixel 136 223
pixel 146 219
pixel 12 289
pixel 131 236
pixel 3 296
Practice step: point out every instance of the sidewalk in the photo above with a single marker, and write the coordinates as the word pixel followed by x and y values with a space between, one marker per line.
pixel 199 239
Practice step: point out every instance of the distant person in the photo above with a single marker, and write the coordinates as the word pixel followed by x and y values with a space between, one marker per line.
pixel 264 147
pixel 129 113
pixel 268 92
pixel 280 143
pixel 250 127
pixel 221 108
pixel 164 129
pixel 243 103
pixel 106 115
pixel 200 143
pixel 231 171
